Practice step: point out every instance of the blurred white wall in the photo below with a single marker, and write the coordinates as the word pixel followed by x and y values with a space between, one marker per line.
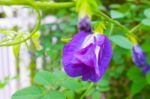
pixel 25 20
pixel 7 69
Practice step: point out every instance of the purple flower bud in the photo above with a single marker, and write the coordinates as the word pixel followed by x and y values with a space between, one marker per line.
pixel 146 69
pixel 85 25
pixel 87 55
pixel 138 56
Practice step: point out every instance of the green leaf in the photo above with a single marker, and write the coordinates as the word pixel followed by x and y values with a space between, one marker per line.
pixel 54 95
pixel 69 94
pixel 104 82
pixel 44 78
pixel 71 84
pixel 35 41
pixel 137 87
pixel 104 89
pixel 16 50
pixel 147 12
pixel 86 7
pixel 99 27
pixel 2 84
pixel 116 14
pixel 146 21
pixel 96 95
pixel 121 41
pixel 135 74
pixel 66 40
pixel 148 77
pixel 32 92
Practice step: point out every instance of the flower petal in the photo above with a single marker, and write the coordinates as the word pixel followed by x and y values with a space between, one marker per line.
pixel 138 56
pixel 85 25
pixel 73 46
pixel 105 54
pixel 90 60
pixel 146 69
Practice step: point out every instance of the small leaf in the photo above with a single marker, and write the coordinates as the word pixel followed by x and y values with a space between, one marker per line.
pixel 2 84
pixel 99 27
pixel 104 82
pixel 86 7
pixel 148 78
pixel 137 87
pixel 66 40
pixel 96 95
pixel 121 41
pixel 69 94
pixel 135 74
pixel 32 92
pixel 44 78
pixel 35 41
pixel 16 50
pixel 54 95
pixel 146 21
pixel 147 12
pixel 71 84
pixel 116 14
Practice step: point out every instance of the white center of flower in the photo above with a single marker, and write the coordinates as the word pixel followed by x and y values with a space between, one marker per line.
pixel 88 40
pixel 97 50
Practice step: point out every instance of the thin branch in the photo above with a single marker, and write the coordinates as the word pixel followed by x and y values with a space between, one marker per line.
pixel 31 34
pixel 43 5
pixel 101 14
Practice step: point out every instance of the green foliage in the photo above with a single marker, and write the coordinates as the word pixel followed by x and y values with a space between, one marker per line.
pixel 146 21
pixel 32 92
pixel 96 95
pixel 121 41
pixel 147 12
pixel 148 78
pixel 43 78
pixel 116 15
pixel 54 95
pixel 138 79
pixel 122 80
pixel 86 7
pixel 137 87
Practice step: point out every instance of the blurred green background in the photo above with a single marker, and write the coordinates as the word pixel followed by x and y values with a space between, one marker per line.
pixel 123 79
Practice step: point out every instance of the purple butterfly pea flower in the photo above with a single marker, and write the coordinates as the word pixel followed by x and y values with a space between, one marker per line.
pixel 87 55
pixel 138 56
pixel 146 69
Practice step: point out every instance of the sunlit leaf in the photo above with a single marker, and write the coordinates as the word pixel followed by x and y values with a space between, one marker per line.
pixel 137 87
pixel 16 50
pixel 146 21
pixel 148 77
pixel 147 12
pixel 32 92
pixel 44 78
pixel 121 41
pixel 116 14
pixel 96 95
pixel 54 95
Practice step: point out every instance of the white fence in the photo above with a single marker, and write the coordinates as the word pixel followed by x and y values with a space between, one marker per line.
pixel 25 20
pixel 7 69
pixel 7 59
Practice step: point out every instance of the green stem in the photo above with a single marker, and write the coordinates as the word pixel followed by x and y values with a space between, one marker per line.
pixel 111 29
pixel 101 14
pixel 32 33
pixel 38 4
pixel 134 29
pixel 88 89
